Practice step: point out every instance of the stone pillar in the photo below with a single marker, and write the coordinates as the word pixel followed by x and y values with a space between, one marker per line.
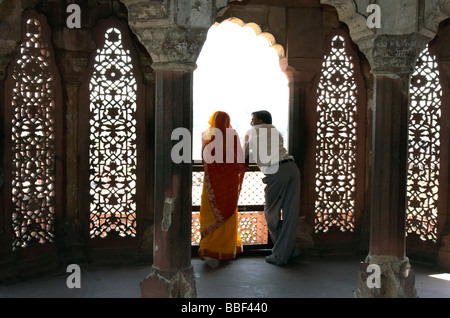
pixel 444 252
pixel 298 93
pixel 72 51
pixel 388 204
pixel 444 214
pixel 392 59
pixel 172 274
pixel 4 246
pixel 173 32
pixel 304 25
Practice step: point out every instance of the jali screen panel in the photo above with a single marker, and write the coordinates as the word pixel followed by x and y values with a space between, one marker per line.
pixel 252 223
pixel 113 147
pixel 33 140
pixel 336 141
pixel 424 149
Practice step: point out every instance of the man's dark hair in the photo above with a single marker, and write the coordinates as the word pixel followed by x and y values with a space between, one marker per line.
pixel 264 115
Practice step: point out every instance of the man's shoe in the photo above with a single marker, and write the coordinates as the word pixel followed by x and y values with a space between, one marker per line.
pixel 272 259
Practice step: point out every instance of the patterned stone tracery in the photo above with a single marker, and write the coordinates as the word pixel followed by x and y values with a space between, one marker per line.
pixel 113 148
pixel 424 149
pixel 252 224
pixel 33 140
pixel 336 141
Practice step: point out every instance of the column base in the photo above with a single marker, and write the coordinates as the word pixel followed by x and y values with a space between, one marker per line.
pixel 169 284
pixel 396 280
pixel 304 238
pixel 444 252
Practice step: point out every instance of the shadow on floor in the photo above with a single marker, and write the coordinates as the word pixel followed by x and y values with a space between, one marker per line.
pixel 245 277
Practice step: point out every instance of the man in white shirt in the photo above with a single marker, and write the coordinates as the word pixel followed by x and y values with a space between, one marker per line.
pixel 264 146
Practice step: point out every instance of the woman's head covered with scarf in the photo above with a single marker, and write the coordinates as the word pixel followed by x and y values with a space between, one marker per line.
pixel 220 121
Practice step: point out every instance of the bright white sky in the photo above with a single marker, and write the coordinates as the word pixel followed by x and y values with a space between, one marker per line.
pixel 239 73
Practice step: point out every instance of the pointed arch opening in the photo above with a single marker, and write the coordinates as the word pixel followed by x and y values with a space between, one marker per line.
pixel 239 72
pixel 112 141
pixel 340 140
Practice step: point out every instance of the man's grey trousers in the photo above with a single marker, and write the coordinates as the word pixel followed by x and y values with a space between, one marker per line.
pixel 282 195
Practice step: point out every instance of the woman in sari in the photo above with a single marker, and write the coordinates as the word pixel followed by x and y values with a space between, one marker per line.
pixel 224 173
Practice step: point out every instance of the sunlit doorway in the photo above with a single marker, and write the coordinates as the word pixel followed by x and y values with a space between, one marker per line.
pixel 238 72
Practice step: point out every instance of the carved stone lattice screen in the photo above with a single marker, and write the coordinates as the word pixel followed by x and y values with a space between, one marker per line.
pixel 112 149
pixel 336 141
pixel 33 140
pixel 424 149
pixel 252 224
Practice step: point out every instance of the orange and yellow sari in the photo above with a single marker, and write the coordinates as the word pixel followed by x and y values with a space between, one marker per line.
pixel 221 189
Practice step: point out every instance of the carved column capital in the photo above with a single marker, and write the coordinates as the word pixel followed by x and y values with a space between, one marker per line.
pixel 173 32
pixel 393 55
pixel 174 48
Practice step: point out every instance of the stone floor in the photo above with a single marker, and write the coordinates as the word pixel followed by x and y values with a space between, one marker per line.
pixel 246 277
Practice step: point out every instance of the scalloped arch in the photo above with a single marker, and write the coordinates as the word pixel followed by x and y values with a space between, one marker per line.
pixel 258 32
pixel 348 14
pixel 439 12
pixel 434 13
